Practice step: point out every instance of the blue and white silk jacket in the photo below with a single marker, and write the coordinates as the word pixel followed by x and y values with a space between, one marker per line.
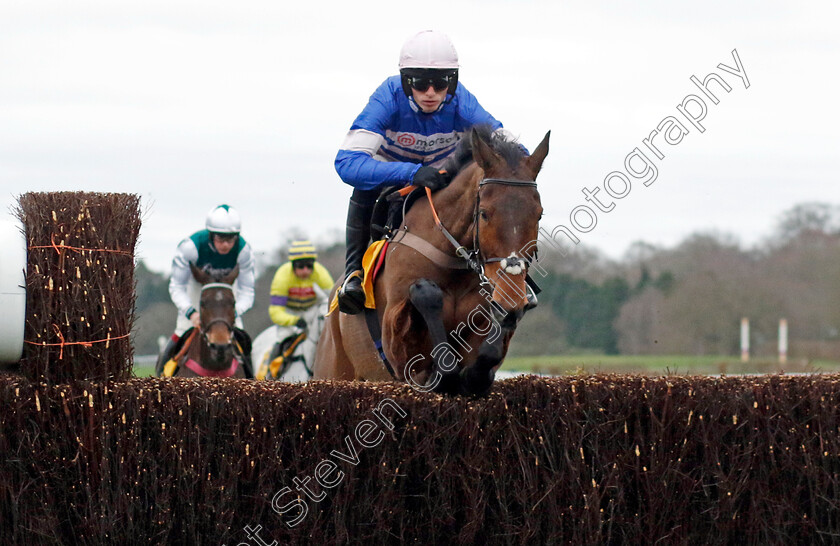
pixel 392 138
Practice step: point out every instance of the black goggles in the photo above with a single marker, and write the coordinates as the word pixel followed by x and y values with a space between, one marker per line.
pixel 421 83
pixel 225 237
pixel 303 264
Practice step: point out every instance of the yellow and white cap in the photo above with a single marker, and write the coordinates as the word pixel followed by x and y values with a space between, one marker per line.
pixel 299 250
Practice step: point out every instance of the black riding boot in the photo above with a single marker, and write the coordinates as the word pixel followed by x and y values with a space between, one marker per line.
pixel 243 341
pixel 351 297
pixel 167 353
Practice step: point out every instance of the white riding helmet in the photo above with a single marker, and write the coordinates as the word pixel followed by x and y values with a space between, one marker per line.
pixel 429 55
pixel 223 219
pixel 429 49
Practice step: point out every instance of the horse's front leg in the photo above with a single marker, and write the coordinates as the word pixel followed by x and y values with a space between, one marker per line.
pixel 427 298
pixel 478 378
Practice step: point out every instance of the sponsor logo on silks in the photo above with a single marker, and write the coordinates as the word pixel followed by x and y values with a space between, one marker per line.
pixel 406 139
pixel 411 141
pixel 216 272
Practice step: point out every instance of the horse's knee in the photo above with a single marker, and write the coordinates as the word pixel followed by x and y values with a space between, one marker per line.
pixel 426 296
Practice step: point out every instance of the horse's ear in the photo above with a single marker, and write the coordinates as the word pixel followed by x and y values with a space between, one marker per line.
pixel 202 277
pixel 483 154
pixel 535 160
pixel 230 277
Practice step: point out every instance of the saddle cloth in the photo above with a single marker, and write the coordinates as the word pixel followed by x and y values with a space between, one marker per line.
pixel 371 265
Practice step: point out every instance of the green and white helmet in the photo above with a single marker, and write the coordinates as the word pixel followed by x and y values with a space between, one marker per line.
pixel 223 219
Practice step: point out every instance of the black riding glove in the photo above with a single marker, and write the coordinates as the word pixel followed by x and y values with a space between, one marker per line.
pixel 430 177
pixel 301 324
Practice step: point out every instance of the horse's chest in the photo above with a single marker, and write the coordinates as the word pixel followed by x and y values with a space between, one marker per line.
pixel 462 302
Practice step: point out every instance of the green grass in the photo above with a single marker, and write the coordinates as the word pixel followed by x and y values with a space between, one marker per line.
pixel 646 364
pixel 662 364
pixel 144 370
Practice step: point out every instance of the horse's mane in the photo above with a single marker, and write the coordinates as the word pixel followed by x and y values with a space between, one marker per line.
pixel 510 150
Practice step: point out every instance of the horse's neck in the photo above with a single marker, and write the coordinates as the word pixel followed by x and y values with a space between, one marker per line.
pixel 455 204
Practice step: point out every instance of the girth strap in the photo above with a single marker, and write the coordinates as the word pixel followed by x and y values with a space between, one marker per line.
pixel 372 321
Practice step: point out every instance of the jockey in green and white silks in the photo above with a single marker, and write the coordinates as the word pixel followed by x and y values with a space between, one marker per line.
pixel 216 250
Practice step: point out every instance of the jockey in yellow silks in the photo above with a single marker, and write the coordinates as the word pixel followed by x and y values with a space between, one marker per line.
pixel 294 299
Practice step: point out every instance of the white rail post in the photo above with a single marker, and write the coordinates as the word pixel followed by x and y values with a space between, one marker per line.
pixel 745 339
pixel 783 341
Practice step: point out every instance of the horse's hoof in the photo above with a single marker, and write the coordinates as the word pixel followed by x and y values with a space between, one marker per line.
pixel 477 383
pixel 449 383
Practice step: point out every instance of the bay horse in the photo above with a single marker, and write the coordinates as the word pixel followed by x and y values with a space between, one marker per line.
pixel 449 304
pixel 210 350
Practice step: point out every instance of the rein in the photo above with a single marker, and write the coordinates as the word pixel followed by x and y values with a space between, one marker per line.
pixel 186 346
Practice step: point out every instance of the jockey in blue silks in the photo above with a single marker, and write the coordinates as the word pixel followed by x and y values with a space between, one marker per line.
pixel 411 124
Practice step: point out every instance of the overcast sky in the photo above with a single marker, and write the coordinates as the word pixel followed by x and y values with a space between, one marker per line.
pixel 194 103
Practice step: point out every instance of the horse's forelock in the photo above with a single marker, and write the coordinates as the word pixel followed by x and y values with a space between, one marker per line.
pixel 509 150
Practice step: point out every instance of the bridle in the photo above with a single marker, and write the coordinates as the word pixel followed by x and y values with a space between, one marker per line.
pixel 475 257
pixel 205 328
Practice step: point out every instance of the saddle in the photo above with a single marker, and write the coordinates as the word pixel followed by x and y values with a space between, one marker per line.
pixel 281 356
pixel 389 210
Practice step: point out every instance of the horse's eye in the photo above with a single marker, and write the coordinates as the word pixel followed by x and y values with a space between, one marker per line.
pixel 483 214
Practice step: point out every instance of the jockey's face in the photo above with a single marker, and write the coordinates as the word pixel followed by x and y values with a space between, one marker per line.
pixel 303 268
pixel 224 243
pixel 429 100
